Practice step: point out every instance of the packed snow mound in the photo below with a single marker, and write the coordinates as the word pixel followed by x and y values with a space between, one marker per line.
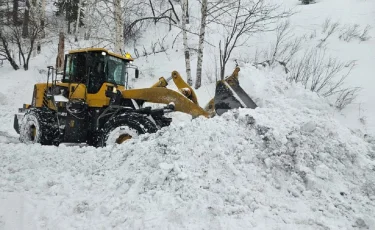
pixel 285 165
pixel 3 100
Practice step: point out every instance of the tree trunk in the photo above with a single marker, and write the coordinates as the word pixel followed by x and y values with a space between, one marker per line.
pixel 187 11
pixel 7 13
pixel 15 12
pixel 153 11
pixel 60 53
pixel 12 61
pixel 13 64
pixel 170 21
pixel 26 19
pixel 43 18
pixel 119 36
pixel 198 80
pixel 222 62
pixel 31 49
pixel 26 66
pixel 77 22
pixel 185 43
pixel 69 27
pixel 8 52
pixel 88 17
pixel 67 17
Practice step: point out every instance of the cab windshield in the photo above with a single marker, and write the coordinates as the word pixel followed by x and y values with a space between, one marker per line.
pixel 115 70
pixel 95 68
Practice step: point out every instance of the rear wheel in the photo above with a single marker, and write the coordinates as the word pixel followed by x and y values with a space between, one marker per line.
pixel 125 127
pixel 38 126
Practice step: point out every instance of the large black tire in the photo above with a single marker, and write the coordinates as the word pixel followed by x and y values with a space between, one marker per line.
pixel 39 126
pixel 123 127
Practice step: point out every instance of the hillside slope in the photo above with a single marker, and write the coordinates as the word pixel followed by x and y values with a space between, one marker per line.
pixel 289 164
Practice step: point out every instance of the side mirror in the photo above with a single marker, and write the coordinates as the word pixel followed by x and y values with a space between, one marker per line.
pixel 136 73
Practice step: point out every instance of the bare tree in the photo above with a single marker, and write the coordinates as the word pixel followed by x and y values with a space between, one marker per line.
pixel 15 12
pixel 247 19
pixel 119 40
pixel 125 23
pixel 43 17
pixel 153 11
pixel 89 17
pixel 5 51
pixel 286 46
pixel 26 19
pixel 186 10
pixel 7 17
pixel 25 46
pixel 79 9
pixel 60 53
pixel 364 35
pixel 346 97
pixel 172 9
pixel 330 28
pixel 349 32
pixel 185 42
pixel 325 76
pixel 198 80
pixel 22 38
pixel 282 34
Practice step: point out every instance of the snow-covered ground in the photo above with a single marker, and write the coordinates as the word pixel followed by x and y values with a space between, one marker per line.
pixel 286 165
pixel 292 163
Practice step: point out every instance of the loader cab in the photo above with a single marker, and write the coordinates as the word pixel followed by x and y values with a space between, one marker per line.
pixel 94 67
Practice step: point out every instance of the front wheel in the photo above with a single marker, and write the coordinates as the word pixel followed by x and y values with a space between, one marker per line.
pixel 38 126
pixel 125 127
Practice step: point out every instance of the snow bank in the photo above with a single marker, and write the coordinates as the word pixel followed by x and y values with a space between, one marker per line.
pixel 285 165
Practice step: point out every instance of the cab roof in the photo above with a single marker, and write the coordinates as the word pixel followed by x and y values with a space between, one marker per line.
pixel 127 56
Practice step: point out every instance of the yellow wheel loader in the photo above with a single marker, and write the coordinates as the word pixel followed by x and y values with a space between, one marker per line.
pixel 93 104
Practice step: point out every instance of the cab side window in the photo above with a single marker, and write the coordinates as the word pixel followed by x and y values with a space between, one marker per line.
pixel 75 68
pixel 67 74
pixel 116 71
pixel 78 68
pixel 96 68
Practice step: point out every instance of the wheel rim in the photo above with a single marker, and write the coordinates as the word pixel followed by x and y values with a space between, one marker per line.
pixel 122 138
pixel 32 133
pixel 30 130
pixel 121 135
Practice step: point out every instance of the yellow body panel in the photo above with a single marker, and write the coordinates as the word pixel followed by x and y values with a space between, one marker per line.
pixel 99 99
pixel 125 57
pixel 38 94
pixel 76 91
pixel 93 100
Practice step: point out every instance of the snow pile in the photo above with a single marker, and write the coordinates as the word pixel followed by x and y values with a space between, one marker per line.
pixel 2 99
pixel 285 165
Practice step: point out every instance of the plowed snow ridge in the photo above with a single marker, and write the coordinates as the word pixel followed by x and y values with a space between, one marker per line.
pixel 285 165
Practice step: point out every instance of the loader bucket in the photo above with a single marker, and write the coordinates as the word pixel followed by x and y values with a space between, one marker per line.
pixel 230 95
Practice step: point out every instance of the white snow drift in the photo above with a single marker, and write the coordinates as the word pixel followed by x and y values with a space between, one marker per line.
pixel 285 165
